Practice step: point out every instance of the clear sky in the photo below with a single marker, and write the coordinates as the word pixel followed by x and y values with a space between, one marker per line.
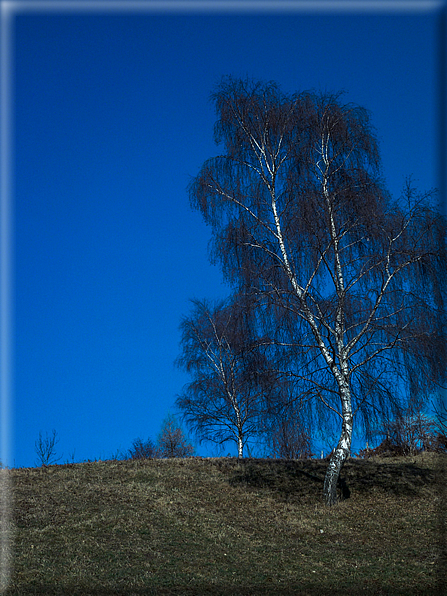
pixel 112 118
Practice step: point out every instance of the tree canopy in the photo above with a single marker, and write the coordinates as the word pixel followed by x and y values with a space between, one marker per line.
pixel 348 282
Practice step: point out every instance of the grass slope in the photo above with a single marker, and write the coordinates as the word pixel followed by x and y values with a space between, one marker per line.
pixel 220 526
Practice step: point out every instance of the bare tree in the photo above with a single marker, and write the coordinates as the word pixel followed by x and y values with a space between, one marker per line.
pixel 46 449
pixel 440 410
pixel 350 279
pixel 142 449
pixel 410 433
pixel 224 402
pixel 434 429
pixel 172 441
pixel 439 443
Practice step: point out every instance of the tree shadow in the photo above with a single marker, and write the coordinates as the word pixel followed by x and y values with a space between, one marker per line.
pixel 297 479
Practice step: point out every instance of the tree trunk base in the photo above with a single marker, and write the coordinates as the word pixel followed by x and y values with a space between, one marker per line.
pixel 332 478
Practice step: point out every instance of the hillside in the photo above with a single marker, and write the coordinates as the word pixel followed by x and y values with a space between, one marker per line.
pixel 220 526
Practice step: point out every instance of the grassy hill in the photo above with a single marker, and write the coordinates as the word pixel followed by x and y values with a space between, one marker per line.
pixel 229 527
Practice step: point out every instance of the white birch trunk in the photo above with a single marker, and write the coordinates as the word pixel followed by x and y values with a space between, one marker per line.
pixel 343 449
pixel 240 447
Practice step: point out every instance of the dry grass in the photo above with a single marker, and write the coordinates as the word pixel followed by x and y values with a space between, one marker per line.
pixel 219 526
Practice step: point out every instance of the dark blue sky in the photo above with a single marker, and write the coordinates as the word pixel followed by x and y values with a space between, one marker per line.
pixel 112 119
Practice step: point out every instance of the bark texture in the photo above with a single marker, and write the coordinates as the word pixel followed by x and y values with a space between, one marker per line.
pixel 339 457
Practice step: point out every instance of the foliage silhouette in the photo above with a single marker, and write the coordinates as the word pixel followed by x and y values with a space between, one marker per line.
pixel 349 283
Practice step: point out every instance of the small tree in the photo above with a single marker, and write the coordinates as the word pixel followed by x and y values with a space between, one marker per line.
pixel 411 433
pixel 142 449
pixel 224 401
pixel 172 441
pixel 46 449
pixel 408 434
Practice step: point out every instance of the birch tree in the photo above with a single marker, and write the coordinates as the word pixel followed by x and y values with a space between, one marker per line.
pixel 349 278
pixel 223 402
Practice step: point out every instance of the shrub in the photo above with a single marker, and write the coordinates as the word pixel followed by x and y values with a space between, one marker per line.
pixel 46 449
pixel 142 449
pixel 408 435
